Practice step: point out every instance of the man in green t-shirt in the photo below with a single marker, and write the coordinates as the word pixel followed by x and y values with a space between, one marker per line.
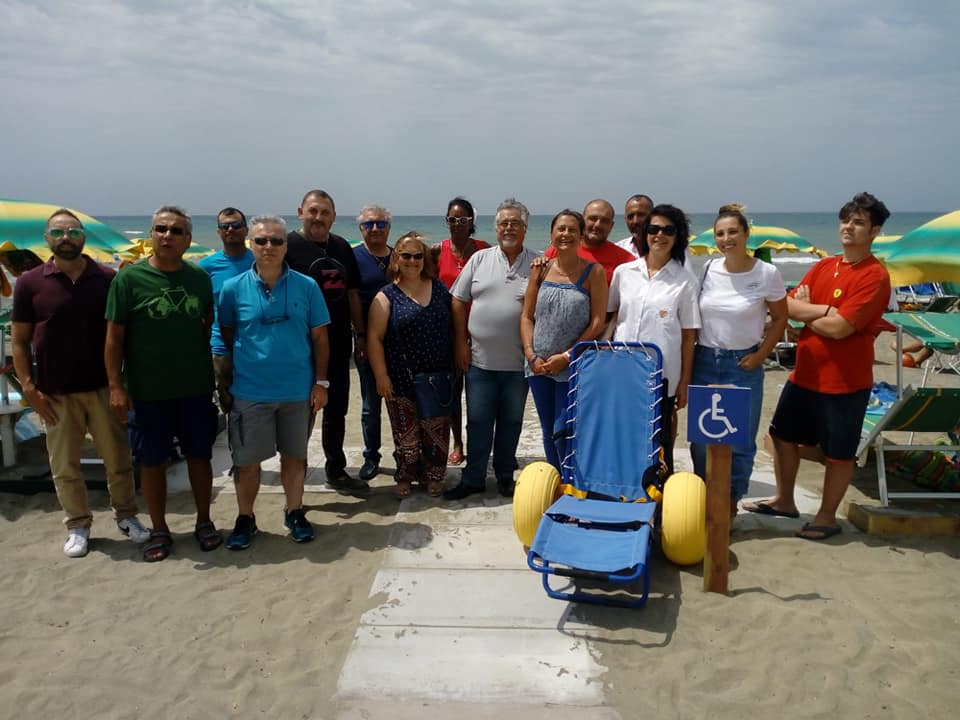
pixel 159 312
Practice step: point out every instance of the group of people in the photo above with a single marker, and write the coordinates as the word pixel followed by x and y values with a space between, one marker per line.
pixel 269 330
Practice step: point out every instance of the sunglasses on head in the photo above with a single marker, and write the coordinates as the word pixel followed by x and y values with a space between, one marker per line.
pixel 458 220
pixel 72 233
pixel 668 230
pixel 410 256
pixel 231 225
pixel 276 242
pixel 371 224
pixel 172 229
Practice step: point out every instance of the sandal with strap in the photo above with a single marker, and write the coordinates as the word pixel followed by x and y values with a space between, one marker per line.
pixel 402 489
pixel 435 488
pixel 160 549
pixel 208 537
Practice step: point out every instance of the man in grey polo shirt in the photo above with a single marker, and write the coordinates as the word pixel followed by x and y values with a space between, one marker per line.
pixel 493 284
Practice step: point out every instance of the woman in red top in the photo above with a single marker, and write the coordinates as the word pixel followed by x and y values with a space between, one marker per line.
pixel 450 256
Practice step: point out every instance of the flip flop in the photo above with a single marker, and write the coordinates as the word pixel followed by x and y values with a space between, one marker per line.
pixel 455 458
pixel 208 537
pixel 402 489
pixel 823 532
pixel 761 508
pixel 159 550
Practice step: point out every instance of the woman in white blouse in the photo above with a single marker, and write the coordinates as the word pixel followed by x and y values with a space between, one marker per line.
pixel 655 301
pixel 737 292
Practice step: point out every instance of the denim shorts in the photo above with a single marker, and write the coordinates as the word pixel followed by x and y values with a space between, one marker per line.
pixel 833 422
pixel 154 424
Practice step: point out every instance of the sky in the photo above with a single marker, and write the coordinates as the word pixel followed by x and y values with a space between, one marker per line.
pixel 117 107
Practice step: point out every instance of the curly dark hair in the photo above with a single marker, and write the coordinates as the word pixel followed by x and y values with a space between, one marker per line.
pixel 865 202
pixel 679 250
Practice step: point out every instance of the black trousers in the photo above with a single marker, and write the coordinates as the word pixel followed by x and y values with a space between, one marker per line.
pixel 333 426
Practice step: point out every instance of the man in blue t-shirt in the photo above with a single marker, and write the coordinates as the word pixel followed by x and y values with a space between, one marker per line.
pixel 274 326
pixel 234 259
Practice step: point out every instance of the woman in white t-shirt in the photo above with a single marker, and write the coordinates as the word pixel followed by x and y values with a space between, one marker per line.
pixel 655 301
pixel 737 292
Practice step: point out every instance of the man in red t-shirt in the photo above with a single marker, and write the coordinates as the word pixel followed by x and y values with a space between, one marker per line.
pixel 840 300
pixel 594 246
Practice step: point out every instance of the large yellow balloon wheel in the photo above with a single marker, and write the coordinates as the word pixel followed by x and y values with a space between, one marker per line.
pixel 683 525
pixel 538 487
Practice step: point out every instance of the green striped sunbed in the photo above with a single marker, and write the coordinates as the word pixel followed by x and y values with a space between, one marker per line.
pixel 917 410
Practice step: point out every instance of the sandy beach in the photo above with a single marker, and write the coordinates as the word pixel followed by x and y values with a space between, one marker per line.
pixel 856 627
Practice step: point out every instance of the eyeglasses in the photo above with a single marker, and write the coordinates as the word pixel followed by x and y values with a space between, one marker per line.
pixel 510 224
pixel 172 229
pixel 232 225
pixel 411 256
pixel 458 220
pixel 668 230
pixel 276 242
pixel 371 224
pixel 72 233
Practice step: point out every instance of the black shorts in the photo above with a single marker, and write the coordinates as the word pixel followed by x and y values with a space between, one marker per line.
pixel 833 422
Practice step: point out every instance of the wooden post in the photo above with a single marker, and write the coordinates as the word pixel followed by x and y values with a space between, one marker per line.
pixel 716 561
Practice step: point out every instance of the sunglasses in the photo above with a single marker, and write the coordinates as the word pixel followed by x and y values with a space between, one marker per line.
pixel 371 224
pixel 411 256
pixel 458 220
pixel 172 229
pixel 276 242
pixel 72 233
pixel 668 230
pixel 232 225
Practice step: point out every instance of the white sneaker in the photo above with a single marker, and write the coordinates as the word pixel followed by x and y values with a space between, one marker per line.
pixel 134 529
pixel 76 544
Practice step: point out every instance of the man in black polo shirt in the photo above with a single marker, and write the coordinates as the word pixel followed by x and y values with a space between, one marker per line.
pixel 329 260
pixel 58 319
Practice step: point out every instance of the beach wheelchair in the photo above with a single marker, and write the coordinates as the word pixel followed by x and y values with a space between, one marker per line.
pixel 595 520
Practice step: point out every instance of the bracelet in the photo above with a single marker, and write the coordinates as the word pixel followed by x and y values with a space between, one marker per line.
pixel 566 354
pixel 826 312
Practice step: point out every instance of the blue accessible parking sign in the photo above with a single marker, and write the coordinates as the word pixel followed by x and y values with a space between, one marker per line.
pixel 718 415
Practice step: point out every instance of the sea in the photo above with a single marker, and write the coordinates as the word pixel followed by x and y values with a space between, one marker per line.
pixel 819 228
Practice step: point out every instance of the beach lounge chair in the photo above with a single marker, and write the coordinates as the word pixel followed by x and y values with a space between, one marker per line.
pixel 601 527
pixel 916 410
pixel 939 331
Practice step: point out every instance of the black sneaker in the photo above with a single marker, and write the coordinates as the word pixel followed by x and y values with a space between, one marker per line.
pixel 243 531
pixel 506 487
pixel 346 484
pixel 370 469
pixel 300 528
pixel 461 491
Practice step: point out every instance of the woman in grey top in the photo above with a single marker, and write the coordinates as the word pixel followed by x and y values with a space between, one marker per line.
pixel 565 303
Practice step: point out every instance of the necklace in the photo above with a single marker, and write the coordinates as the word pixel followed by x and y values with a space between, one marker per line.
pixel 836 270
pixel 461 260
pixel 382 262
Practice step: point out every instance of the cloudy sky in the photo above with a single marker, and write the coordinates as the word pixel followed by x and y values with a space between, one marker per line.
pixel 115 107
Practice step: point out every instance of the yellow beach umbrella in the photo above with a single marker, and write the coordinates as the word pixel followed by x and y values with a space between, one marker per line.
pixel 762 237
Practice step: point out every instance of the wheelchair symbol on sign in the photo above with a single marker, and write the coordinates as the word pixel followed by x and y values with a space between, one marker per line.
pixel 715 415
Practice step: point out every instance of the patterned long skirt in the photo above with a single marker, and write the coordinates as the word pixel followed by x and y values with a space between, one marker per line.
pixel 421 444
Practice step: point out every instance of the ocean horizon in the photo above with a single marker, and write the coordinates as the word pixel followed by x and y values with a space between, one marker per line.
pixel 819 228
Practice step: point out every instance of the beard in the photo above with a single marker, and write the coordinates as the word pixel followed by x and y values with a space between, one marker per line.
pixel 67 251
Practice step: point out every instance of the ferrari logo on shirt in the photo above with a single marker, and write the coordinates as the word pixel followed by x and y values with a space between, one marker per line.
pixel 837 293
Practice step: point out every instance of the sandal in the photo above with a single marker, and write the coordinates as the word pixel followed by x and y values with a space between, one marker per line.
pixel 455 458
pixel 435 488
pixel 159 550
pixel 402 489
pixel 208 537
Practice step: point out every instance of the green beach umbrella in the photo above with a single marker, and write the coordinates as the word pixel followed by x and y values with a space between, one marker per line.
pixel 762 237
pixel 22 224
pixel 929 253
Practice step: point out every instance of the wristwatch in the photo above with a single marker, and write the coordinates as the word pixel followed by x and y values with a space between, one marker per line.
pixel 325 384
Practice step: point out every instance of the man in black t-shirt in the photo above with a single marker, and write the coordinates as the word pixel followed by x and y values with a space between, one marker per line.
pixel 327 258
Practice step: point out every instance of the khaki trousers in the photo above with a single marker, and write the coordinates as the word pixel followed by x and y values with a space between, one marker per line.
pixel 79 413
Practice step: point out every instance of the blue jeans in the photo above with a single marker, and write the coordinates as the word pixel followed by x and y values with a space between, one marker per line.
pixel 370 410
pixel 495 404
pixel 719 367
pixel 550 397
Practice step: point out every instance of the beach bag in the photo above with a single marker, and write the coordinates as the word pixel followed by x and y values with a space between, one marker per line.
pixel 434 393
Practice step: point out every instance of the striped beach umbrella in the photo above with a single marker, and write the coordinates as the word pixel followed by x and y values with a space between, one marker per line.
pixel 929 253
pixel 22 225
pixel 140 248
pixel 762 237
